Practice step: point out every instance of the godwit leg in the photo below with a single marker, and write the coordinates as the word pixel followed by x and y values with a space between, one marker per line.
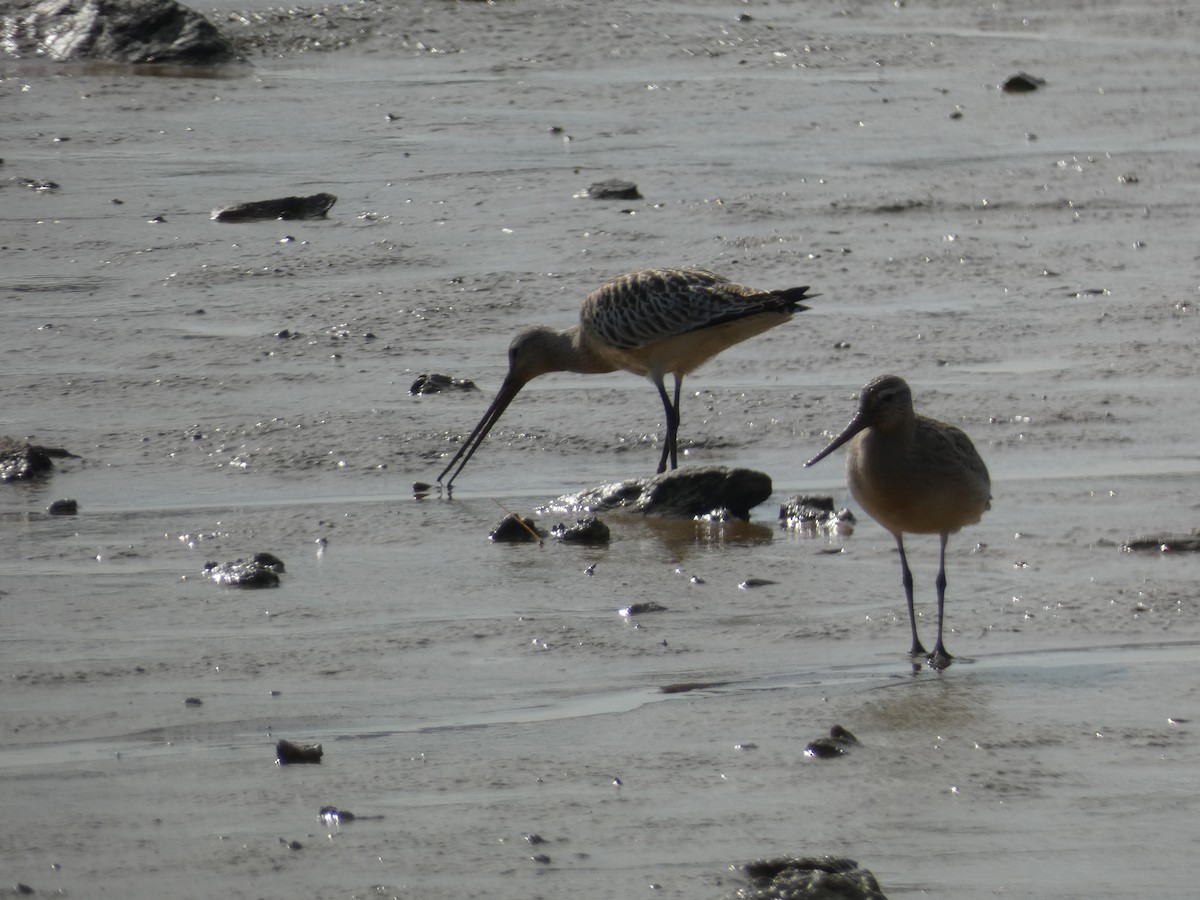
pixel 675 430
pixel 940 658
pixel 671 410
pixel 907 579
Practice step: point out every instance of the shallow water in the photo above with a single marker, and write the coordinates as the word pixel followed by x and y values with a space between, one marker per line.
pixel 1029 266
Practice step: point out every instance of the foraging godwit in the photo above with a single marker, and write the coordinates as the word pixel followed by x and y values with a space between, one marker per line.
pixel 912 474
pixel 650 323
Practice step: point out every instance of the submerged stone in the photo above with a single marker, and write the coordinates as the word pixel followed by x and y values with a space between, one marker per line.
pixel 1165 542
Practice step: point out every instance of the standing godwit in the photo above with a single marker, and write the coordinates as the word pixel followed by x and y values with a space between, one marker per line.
pixel 912 474
pixel 651 323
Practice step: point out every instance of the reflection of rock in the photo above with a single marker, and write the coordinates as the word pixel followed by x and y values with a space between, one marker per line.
pixel 693 492
pixel 20 460
pixel 1166 542
pixel 810 515
pixel 262 570
pixel 819 878
pixel 314 206
pixel 116 31
pixel 586 530
pixel 435 383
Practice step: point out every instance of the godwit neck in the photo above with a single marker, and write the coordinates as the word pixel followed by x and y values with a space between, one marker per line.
pixel 540 349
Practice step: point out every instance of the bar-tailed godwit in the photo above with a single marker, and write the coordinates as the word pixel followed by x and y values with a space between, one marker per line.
pixel 912 474
pixel 651 323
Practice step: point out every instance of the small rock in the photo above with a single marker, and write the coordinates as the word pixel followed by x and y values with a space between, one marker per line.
pixel 63 508
pixel 288 754
pixel 586 530
pixel 693 492
pixel 262 570
pixel 314 206
pixel 820 878
pixel 823 748
pixel 1022 83
pixel 20 460
pixel 137 32
pixel 514 530
pixel 638 609
pixel 331 815
pixel 435 383
pixel 612 189
pixel 812 515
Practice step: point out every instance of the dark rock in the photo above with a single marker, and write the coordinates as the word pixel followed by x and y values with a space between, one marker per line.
pixel 1166 542
pixel 586 530
pixel 115 31
pixel 751 583
pixel 514 530
pixel 434 383
pixel 823 748
pixel 612 189
pixel 314 206
pixel 63 508
pixel 192 701
pixel 262 570
pixel 821 878
pixel 700 491
pixel 1022 83
pixel 331 815
pixel 839 740
pixel 812 515
pixel 288 754
pixel 638 609
pixel 20 460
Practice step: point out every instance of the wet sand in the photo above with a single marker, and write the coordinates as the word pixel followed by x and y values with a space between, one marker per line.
pixel 1026 262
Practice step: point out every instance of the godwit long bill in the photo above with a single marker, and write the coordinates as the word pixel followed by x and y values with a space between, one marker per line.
pixel 651 323
pixel 912 474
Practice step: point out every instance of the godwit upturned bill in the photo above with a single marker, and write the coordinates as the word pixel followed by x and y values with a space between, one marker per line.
pixel 912 474
pixel 651 323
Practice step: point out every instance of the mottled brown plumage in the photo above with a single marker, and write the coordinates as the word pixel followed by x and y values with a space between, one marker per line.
pixel 912 474
pixel 653 323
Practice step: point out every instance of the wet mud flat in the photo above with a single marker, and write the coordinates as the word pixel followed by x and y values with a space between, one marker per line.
pixel 1025 260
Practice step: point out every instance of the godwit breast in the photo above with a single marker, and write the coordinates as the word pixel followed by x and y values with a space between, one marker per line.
pixel 651 323
pixel 912 474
